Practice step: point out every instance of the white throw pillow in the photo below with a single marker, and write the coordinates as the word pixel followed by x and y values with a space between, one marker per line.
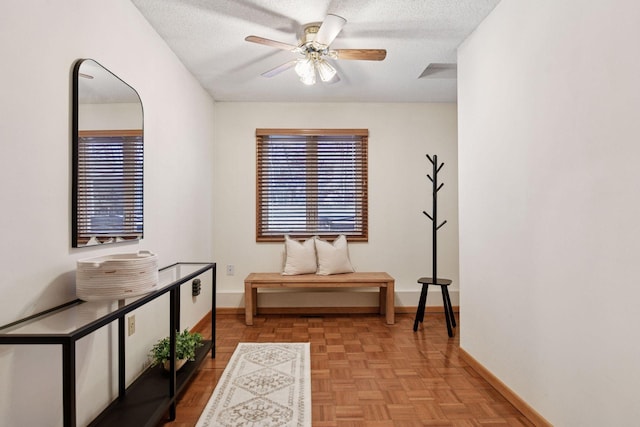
pixel 300 257
pixel 333 258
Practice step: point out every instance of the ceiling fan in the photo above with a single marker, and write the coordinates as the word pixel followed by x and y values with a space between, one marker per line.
pixel 314 46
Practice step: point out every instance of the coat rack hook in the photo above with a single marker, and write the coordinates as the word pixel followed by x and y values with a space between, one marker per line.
pixel 424 212
pixel 443 223
pixel 439 187
pixel 430 159
pixel 430 179
pixel 440 167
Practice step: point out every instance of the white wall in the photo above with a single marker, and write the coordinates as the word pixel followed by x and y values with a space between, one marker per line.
pixel 113 116
pixel 549 205
pixel 400 136
pixel 40 42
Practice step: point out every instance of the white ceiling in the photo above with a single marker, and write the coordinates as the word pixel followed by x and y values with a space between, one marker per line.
pixel 208 37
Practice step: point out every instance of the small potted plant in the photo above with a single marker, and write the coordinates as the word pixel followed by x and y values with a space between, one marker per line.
pixel 186 345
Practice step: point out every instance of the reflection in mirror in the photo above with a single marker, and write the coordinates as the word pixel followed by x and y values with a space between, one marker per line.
pixel 107 196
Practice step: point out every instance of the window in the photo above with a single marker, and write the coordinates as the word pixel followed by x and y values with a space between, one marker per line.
pixel 311 182
pixel 109 185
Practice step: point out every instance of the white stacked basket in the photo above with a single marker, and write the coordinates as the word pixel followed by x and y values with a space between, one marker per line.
pixel 117 276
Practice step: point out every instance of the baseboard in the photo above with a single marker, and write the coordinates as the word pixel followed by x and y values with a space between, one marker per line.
pixel 531 414
pixel 405 301
pixel 301 311
pixel 428 309
pixel 202 323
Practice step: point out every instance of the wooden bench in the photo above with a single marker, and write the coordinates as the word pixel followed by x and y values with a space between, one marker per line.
pixel 254 281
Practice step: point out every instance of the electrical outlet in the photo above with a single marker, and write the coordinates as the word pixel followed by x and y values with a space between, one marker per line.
pixel 131 323
pixel 231 270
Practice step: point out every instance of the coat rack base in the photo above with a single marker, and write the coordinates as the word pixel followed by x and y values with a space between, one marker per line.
pixel 448 309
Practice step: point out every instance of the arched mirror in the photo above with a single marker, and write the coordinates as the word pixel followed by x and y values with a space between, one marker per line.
pixel 108 153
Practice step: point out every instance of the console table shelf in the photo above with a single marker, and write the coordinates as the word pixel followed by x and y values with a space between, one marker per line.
pixel 155 391
pixel 147 399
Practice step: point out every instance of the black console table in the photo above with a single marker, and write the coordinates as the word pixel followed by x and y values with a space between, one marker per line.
pixel 149 397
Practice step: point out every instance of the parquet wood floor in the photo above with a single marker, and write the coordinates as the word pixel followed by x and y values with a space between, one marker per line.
pixel 366 373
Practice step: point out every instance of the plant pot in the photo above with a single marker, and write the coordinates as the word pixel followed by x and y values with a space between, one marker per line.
pixel 179 364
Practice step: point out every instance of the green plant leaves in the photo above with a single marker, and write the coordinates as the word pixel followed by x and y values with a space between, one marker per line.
pixel 186 345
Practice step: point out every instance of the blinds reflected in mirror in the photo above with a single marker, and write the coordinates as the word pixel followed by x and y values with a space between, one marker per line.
pixel 109 185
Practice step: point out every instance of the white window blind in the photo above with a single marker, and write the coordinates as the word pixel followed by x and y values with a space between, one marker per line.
pixel 311 182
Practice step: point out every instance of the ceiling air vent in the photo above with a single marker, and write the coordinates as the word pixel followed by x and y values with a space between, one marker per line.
pixel 440 71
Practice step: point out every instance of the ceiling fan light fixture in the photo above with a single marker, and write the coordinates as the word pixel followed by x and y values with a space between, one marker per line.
pixel 325 70
pixel 314 45
pixel 306 70
pixel 309 80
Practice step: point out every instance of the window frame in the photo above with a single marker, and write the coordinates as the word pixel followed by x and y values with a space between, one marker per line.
pixel 361 137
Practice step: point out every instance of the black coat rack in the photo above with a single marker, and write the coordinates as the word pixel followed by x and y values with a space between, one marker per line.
pixel 434 219
pixel 434 280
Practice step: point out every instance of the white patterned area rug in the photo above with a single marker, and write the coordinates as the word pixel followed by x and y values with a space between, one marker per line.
pixel 264 384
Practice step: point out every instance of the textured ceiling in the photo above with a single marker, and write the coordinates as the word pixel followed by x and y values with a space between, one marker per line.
pixel 208 37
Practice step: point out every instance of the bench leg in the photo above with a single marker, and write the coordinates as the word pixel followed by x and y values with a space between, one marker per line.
pixel 255 301
pixel 248 303
pixel 390 302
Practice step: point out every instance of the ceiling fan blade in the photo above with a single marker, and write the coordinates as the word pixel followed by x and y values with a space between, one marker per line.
pixel 279 69
pixel 272 43
pixel 364 54
pixel 330 29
